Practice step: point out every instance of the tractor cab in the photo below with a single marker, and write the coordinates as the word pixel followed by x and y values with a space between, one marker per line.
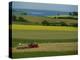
pixel 33 45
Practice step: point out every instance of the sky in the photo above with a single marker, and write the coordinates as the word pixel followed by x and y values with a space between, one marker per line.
pixel 45 6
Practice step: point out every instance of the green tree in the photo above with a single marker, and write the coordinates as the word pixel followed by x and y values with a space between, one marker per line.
pixel 14 18
pixel 63 24
pixel 75 13
pixel 21 19
pixel 24 13
pixel 45 22
pixel 70 13
pixel 75 25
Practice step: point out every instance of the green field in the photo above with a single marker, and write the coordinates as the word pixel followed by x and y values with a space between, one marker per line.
pixel 41 18
pixel 42 31
pixel 42 54
pixel 37 20
pixel 49 38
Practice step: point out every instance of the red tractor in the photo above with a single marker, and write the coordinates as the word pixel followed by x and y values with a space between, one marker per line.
pixel 33 45
pixel 30 45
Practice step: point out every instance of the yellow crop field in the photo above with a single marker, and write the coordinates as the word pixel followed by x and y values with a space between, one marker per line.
pixel 37 27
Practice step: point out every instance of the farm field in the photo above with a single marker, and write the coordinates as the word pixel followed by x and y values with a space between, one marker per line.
pixel 42 54
pixel 51 47
pixel 42 30
pixel 52 40
pixel 39 19
pixel 47 49
pixel 46 28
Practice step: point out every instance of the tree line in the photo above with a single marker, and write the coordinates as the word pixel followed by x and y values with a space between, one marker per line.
pixel 61 23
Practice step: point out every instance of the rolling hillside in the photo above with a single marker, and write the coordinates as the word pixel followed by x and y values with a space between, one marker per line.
pixel 39 19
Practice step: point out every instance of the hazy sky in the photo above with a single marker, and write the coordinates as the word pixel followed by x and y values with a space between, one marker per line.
pixel 41 6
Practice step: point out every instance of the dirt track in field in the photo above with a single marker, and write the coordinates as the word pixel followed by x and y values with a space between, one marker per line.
pixel 72 46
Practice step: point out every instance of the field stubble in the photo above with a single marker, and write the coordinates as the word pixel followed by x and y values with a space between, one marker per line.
pixel 72 46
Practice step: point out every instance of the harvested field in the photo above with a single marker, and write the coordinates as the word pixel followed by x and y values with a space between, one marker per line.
pixel 72 46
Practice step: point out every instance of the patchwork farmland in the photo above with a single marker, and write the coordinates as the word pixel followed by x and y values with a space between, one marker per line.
pixel 39 30
pixel 52 40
